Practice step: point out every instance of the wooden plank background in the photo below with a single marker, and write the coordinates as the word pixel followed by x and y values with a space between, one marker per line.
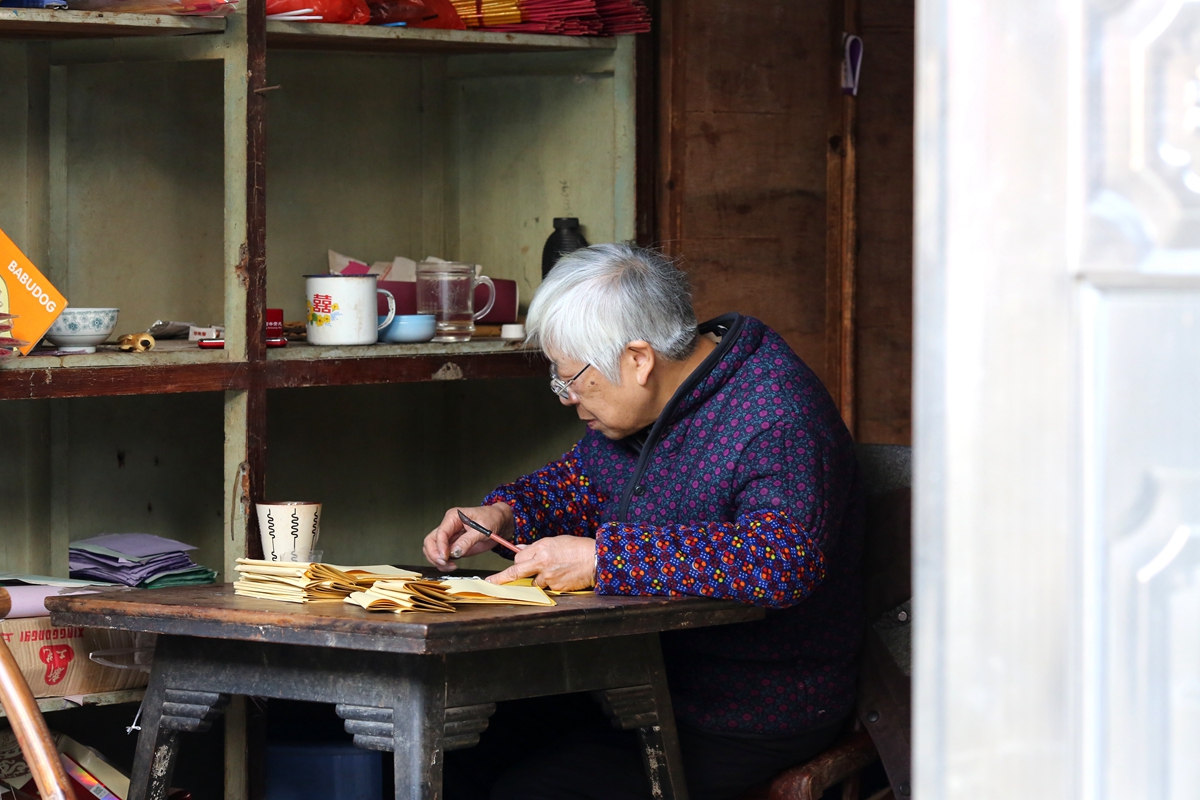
pixel 743 128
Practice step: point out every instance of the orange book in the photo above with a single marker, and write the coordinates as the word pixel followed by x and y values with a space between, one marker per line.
pixel 26 295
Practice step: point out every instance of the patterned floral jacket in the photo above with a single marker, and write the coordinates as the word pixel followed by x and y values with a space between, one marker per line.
pixel 745 488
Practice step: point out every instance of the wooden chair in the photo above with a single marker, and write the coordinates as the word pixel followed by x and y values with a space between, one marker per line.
pixel 41 756
pixel 883 726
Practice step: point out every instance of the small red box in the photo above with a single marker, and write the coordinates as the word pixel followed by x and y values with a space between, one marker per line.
pixel 274 323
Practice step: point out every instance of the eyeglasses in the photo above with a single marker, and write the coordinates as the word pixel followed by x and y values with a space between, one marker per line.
pixel 563 388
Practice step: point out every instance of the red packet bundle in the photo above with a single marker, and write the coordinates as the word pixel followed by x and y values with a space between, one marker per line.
pixel 8 343
pixel 386 12
pixel 347 12
pixel 561 17
pixel 439 14
pixel 624 16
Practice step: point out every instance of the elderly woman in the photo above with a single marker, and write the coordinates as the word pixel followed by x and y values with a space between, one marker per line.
pixel 714 464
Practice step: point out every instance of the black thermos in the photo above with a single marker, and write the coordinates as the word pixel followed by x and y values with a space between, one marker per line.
pixel 567 238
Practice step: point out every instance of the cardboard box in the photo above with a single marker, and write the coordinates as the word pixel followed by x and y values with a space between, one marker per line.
pixel 55 662
pixel 196 333
pixel 26 293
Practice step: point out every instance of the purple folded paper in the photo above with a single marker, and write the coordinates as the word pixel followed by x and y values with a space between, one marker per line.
pixel 136 545
pixel 132 559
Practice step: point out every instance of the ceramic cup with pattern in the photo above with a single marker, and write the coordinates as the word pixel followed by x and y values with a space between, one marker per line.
pixel 289 530
pixel 341 309
pixel 81 329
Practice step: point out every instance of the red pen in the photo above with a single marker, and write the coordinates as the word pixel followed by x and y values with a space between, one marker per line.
pixel 473 525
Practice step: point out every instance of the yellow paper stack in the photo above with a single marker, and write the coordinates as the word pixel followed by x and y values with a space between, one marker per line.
pixel 477 590
pixel 375 588
pixel 408 594
pixel 301 582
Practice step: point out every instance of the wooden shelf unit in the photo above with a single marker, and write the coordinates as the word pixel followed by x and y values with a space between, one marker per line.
pixel 136 170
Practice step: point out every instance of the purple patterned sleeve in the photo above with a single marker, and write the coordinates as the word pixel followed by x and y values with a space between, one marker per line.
pixel 769 554
pixel 557 500
pixel 763 558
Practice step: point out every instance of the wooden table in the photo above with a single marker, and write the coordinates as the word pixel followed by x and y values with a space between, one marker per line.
pixel 416 685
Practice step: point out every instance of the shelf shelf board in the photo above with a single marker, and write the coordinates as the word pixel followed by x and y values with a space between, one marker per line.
pixel 48 704
pixel 302 365
pixel 376 39
pixel 37 23
pixel 173 366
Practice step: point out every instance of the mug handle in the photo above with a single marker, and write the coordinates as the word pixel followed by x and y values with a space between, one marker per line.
pixel 391 315
pixel 484 279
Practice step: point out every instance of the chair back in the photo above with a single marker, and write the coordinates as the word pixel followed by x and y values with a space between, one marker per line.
pixel 41 755
pixel 885 679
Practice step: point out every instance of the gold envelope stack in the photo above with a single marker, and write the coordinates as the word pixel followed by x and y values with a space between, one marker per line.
pixel 477 590
pixel 407 594
pixel 302 582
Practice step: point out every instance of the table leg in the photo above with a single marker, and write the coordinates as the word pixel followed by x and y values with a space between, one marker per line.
pixel 418 720
pixel 647 707
pixel 660 746
pixel 166 712
pixel 154 759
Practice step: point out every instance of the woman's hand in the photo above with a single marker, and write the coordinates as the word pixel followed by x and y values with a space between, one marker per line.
pixel 562 563
pixel 452 540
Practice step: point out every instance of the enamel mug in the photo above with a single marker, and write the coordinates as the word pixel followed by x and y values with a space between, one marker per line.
pixel 341 309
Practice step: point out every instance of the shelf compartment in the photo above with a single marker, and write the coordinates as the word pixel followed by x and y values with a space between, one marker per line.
pixel 48 704
pixel 172 367
pixel 36 23
pixel 39 384
pixel 178 367
pixel 167 352
pixel 305 365
pixel 377 39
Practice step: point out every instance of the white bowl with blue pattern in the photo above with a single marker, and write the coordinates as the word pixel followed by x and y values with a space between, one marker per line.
pixel 79 330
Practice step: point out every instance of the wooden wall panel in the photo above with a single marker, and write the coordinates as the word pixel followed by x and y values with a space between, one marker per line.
pixel 744 122
pixel 744 111
pixel 883 322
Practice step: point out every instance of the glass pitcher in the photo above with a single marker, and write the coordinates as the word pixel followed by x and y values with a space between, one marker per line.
pixel 446 289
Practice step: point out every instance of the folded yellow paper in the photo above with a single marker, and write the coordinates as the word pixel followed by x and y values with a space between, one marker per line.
pixel 551 592
pixel 477 590
pixel 403 595
pixel 299 582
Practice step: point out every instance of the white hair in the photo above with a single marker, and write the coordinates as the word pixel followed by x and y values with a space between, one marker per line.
pixel 599 299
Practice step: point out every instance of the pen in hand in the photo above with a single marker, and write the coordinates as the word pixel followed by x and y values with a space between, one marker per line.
pixel 475 526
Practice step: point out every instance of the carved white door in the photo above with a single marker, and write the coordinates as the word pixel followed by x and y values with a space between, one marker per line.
pixel 1057 427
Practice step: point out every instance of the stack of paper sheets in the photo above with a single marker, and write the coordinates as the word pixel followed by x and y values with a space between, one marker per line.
pixel 375 588
pixel 477 590
pixel 398 596
pixel 304 582
pixel 137 559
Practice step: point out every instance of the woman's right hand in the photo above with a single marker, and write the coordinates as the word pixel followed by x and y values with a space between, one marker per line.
pixel 452 540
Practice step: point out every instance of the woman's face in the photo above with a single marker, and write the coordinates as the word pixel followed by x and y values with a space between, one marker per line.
pixel 615 410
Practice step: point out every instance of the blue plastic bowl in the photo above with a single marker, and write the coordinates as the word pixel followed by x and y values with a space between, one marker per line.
pixel 408 328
